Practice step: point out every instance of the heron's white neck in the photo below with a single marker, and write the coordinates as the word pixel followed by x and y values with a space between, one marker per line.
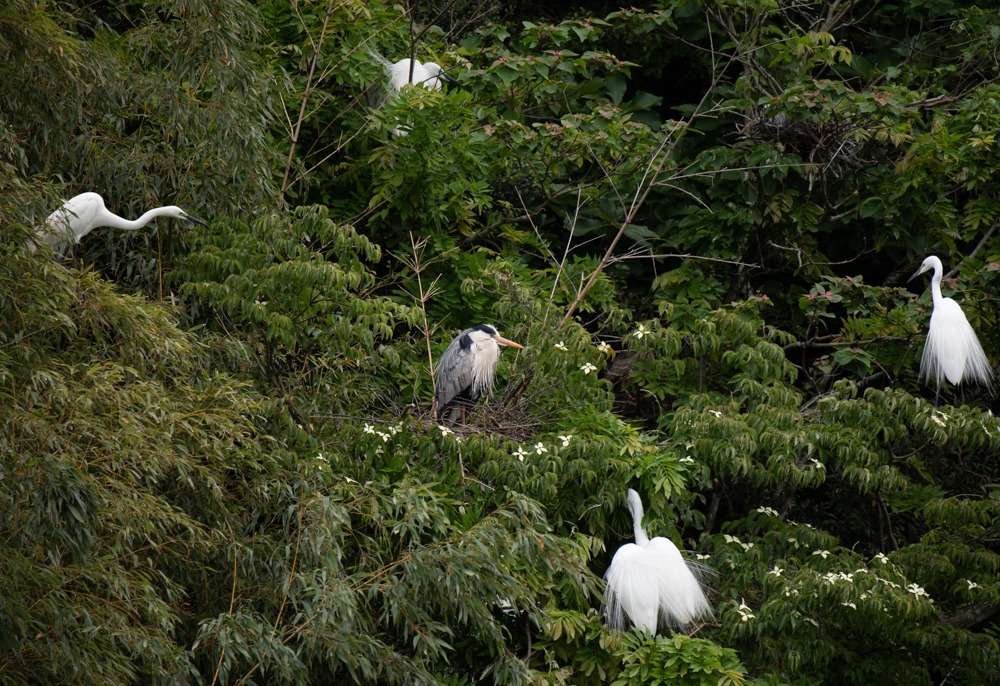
pixel 936 283
pixel 641 539
pixel 107 218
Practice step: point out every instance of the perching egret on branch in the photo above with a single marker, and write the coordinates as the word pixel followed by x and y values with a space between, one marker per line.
pixel 651 582
pixel 427 74
pixel 952 350
pixel 467 369
pixel 82 214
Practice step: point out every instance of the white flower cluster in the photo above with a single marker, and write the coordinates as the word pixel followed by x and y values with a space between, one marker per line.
pixel 972 584
pixel 393 430
pixel 817 464
pixel 687 459
pixel 745 613
pixel 768 511
pixel 881 558
pixel 776 572
pixel 520 454
pixel 561 346
pixel 604 348
pixel 702 557
pixel 916 590
pixel 641 331
pixel 834 577
pixel 823 553
pixel 323 462
pixel 850 605
pixel 565 440
pixel 733 539
pixel 588 368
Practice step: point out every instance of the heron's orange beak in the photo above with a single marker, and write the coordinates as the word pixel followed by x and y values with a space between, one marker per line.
pixel 503 341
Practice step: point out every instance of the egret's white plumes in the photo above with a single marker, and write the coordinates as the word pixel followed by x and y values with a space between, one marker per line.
pixel 82 214
pixel 426 74
pixel 651 583
pixel 468 367
pixel 952 350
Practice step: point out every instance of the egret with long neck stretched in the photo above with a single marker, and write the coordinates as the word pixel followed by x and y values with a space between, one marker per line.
pixel 85 212
pixel 952 350
pixel 650 582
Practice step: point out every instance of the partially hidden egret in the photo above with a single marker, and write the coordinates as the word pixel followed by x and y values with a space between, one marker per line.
pixel 467 369
pixel 651 583
pixel 85 212
pixel 427 74
pixel 951 350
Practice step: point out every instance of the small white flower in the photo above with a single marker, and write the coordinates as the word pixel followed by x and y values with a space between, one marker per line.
pixel 520 454
pixel 850 605
pixel 915 590
pixel 561 346
pixel 746 546
pixel 776 572
pixel 322 458
pixel 383 436
pixel 972 584
pixel 687 459
pixel 588 368
pixel 881 558
pixel 369 429
pixel 702 557
pixel 539 448
pixel 864 596
pixel 824 553
pixel 745 612
pixel 716 413
pixel 565 440
pixel 768 511
pixel 379 450
pixel 730 539
pixel 818 465
pixel 641 331
pixel 604 348
pixel 445 430
pixel 935 417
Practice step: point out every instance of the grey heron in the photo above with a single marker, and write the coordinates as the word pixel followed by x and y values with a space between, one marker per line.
pixel 952 350
pixel 467 369
pixel 85 212
pixel 651 583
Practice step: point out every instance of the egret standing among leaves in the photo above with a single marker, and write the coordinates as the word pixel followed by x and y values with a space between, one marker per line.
pixel 651 582
pixel 467 369
pixel 428 75
pixel 82 214
pixel 952 350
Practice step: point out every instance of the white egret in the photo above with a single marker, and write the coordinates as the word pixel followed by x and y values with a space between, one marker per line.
pixel 951 350
pixel 467 369
pixel 427 74
pixel 85 212
pixel 651 583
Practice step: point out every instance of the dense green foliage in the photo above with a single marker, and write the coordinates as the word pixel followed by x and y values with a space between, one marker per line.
pixel 220 462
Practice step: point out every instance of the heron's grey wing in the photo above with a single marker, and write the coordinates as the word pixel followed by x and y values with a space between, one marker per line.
pixel 454 372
